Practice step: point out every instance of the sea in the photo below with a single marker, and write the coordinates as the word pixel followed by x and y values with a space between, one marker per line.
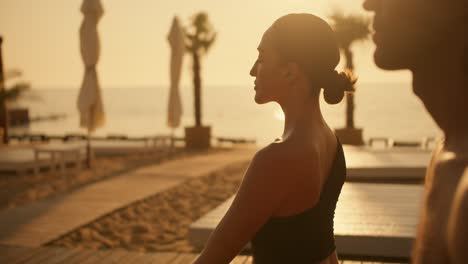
pixel 382 110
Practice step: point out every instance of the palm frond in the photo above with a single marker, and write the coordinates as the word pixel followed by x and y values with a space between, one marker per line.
pixel 207 42
pixel 200 35
pixel 350 28
pixel 12 73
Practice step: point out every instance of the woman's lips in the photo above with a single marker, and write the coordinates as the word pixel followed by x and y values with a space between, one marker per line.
pixel 376 36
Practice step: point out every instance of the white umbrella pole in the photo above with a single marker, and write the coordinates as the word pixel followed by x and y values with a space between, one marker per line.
pixel 172 143
pixel 88 150
pixel 88 142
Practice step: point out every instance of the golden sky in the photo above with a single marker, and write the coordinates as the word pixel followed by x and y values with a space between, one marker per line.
pixel 41 38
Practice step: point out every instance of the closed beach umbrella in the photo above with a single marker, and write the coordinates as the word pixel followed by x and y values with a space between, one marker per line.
pixel 89 100
pixel 176 41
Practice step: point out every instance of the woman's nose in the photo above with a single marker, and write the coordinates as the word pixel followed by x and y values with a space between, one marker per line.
pixel 253 71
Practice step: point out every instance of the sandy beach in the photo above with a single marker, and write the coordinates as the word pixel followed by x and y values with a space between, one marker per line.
pixel 160 222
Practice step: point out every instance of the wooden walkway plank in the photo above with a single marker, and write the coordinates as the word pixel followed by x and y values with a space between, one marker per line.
pixel 50 255
pixel 239 260
pixel 43 221
pixel 82 255
pixel 31 253
pixel 160 258
pixel 136 257
pixel 46 253
pixel 367 164
pixel 249 260
pixel 184 258
pixel 115 257
pixel 61 258
pixel 97 257
pixel 7 253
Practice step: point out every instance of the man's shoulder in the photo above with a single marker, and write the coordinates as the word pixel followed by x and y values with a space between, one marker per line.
pixel 461 192
pixel 463 184
pixel 458 223
pixel 444 176
pixel 450 165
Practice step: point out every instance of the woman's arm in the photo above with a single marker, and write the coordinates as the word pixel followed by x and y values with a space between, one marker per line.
pixel 262 191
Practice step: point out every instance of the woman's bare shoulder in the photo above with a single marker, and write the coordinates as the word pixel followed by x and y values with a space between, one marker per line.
pixel 276 150
pixel 284 156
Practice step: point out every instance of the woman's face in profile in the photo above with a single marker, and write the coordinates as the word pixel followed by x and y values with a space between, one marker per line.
pixel 270 77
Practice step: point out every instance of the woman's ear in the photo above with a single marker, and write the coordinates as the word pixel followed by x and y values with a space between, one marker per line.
pixel 292 71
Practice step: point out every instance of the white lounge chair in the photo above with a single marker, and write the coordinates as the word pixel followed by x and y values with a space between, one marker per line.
pixel 20 161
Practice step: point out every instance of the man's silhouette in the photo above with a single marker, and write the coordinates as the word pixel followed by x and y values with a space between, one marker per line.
pixel 428 37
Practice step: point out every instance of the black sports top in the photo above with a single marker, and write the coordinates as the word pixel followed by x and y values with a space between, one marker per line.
pixel 306 237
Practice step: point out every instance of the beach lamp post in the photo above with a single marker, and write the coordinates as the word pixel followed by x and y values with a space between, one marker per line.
pixel 176 39
pixel 89 101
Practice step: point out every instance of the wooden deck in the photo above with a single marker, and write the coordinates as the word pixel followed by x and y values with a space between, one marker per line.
pixel 43 221
pixel 54 255
pixel 367 164
pixel 374 220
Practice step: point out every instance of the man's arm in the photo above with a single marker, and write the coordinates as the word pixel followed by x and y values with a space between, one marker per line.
pixel 458 223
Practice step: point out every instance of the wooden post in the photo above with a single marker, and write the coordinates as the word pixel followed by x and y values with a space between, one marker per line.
pixel 3 106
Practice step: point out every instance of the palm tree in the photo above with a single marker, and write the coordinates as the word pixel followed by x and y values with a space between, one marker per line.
pixel 349 29
pixel 10 95
pixel 200 36
pixel 7 95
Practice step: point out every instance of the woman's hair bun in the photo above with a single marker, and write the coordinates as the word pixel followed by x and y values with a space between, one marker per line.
pixel 336 84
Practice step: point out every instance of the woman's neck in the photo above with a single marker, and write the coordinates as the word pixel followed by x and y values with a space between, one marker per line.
pixel 301 117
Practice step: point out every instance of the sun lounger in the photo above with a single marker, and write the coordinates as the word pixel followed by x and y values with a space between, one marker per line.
pixel 63 154
pixel 110 145
pixel 21 161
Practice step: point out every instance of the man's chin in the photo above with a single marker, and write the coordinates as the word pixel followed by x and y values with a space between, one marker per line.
pixel 387 61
